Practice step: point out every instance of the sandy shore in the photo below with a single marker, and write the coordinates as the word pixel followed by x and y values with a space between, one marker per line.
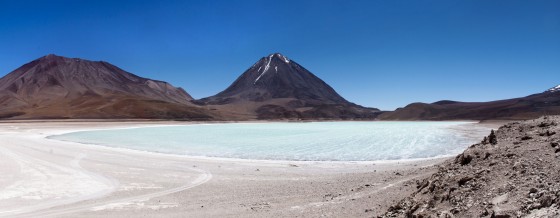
pixel 48 178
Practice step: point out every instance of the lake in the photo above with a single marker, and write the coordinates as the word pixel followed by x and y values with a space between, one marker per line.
pixel 305 141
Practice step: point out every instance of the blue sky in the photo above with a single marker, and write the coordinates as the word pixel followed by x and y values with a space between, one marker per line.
pixel 383 54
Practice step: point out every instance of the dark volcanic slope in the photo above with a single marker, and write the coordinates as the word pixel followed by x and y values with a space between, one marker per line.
pixel 546 103
pixel 516 175
pixel 277 87
pixel 276 76
pixel 59 87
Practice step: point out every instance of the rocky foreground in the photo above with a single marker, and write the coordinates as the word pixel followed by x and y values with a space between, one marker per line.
pixel 514 172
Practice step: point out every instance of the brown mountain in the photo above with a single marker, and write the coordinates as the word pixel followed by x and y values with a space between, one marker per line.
pixel 276 87
pixel 59 87
pixel 529 107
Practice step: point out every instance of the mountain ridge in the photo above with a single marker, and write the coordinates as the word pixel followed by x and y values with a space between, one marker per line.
pixel 58 87
pixel 528 107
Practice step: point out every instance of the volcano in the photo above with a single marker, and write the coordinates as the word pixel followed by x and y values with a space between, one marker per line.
pixel 276 87
pixel 59 87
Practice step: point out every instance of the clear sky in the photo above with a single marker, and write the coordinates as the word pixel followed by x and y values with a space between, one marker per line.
pixel 383 54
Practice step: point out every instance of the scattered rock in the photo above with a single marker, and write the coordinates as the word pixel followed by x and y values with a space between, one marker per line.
pixel 544 124
pixel 500 216
pixel 517 166
pixel 492 138
pixel 484 140
pixel 526 137
pixel 500 199
pixel 515 177
pixel 464 180
pixel 546 201
pixel 533 190
pixel 463 159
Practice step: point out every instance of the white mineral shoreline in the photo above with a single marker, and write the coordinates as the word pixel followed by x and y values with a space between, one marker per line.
pixel 51 178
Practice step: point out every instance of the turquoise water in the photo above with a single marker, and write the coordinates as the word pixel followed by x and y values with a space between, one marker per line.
pixel 317 141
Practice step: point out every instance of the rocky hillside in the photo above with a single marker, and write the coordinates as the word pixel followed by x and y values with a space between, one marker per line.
pixel 514 172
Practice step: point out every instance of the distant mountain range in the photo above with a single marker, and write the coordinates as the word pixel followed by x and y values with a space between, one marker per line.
pixel 529 107
pixel 275 87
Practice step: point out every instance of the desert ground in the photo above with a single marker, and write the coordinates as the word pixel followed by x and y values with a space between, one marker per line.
pixel 513 172
pixel 44 177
